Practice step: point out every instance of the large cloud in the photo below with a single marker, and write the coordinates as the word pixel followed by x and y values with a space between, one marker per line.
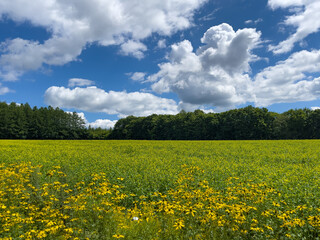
pixel 290 80
pixel 199 83
pixel 93 99
pixel 305 18
pixel 76 23
pixel 215 74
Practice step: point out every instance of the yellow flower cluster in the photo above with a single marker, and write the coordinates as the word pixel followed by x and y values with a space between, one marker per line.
pixel 44 206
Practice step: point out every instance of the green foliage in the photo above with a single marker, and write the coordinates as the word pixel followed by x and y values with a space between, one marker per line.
pixel 247 123
pixel 98 133
pixel 22 122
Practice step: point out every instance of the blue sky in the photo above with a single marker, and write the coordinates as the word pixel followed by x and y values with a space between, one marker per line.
pixel 107 59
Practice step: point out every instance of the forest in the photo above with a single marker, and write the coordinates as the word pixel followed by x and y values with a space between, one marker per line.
pixel 20 121
pixel 248 123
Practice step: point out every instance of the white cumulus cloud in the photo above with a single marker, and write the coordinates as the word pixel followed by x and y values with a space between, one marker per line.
pixel 75 24
pixel 305 18
pixel 290 80
pixel 93 99
pixel 215 74
pixel 137 76
pixel 133 48
pixel 218 73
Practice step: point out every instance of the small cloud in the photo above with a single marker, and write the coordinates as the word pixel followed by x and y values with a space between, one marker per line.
pixel 209 16
pixel 4 90
pixel 102 123
pixel 10 76
pixel 133 48
pixel 79 82
pixel 258 20
pixel 137 76
pixel 315 108
pixel 162 43
pixel 255 22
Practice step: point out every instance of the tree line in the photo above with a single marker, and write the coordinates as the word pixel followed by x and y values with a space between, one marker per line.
pixel 249 123
pixel 20 121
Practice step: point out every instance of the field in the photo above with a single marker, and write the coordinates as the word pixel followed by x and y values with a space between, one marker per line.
pixel 159 189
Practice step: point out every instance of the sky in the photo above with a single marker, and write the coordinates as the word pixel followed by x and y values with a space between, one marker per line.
pixel 108 59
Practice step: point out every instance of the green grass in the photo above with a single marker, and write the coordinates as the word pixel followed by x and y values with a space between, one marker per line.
pixel 149 166
pixel 289 167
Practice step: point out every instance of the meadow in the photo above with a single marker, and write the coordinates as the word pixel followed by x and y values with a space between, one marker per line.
pixel 159 189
